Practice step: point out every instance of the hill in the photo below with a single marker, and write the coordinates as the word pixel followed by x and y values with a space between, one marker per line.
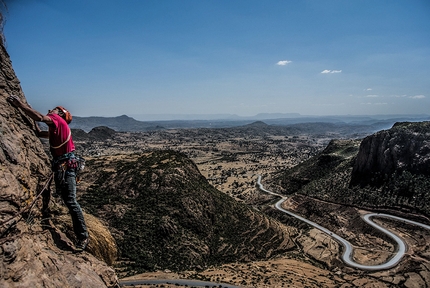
pixel 164 214
pixel 336 158
pixel 386 170
pixel 119 123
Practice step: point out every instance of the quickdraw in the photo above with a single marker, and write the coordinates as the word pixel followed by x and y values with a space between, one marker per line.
pixel 60 171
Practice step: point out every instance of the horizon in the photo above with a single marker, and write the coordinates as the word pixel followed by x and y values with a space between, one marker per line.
pixel 256 117
pixel 221 57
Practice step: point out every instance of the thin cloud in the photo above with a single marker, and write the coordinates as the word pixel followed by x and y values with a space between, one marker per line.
pixel 378 103
pixel 331 71
pixel 417 97
pixel 372 96
pixel 283 62
pixel 330 104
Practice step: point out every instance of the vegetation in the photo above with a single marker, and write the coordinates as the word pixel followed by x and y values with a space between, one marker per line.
pixel 164 214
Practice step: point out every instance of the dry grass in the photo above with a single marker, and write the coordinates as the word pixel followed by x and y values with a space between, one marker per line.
pixel 102 245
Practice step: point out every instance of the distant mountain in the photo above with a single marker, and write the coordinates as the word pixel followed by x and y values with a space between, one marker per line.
pixel 211 117
pixel 120 123
pixel 272 116
pixel 128 124
pixel 257 124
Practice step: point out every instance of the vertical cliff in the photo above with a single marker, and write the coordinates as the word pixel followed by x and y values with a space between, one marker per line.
pixel 404 147
pixel 32 254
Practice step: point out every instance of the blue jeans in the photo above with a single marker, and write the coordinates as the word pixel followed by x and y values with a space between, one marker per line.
pixel 65 183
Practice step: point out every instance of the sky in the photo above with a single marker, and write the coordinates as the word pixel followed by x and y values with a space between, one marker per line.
pixel 154 58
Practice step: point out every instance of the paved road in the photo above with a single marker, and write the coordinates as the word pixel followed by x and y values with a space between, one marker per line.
pixel 177 282
pixel 348 249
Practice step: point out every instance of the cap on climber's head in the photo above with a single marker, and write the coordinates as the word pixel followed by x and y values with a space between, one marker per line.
pixel 64 114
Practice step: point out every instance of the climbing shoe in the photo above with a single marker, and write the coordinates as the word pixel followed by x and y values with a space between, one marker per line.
pixel 82 244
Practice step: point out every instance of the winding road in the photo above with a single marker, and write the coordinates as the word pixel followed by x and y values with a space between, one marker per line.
pixel 348 249
pixel 346 256
pixel 176 282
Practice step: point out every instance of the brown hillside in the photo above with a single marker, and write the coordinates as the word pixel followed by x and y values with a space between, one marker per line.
pixel 165 215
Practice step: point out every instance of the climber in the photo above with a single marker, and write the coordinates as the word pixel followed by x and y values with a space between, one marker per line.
pixel 64 162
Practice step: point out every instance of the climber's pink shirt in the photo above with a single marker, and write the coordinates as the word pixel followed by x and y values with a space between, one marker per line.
pixel 58 134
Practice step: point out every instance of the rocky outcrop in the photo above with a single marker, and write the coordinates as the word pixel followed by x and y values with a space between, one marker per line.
pixel 101 133
pixel 35 252
pixel 404 147
pixel 336 158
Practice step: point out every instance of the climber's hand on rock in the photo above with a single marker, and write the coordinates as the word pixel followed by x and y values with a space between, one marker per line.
pixel 14 100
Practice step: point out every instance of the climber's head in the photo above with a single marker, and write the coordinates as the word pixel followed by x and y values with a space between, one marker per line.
pixel 62 112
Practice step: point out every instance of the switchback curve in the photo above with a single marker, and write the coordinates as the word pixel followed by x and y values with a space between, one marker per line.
pixel 348 249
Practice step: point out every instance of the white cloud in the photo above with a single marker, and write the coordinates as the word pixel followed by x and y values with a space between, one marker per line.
pixel 283 62
pixel 372 96
pixel 417 97
pixel 331 71
pixel 369 89
pixel 378 103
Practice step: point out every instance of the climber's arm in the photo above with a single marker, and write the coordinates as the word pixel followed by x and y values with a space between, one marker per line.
pixel 40 133
pixel 33 114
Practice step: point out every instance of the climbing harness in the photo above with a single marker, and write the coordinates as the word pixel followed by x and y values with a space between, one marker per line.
pixel 69 161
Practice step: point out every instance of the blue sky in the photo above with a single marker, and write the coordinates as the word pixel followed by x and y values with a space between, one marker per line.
pixel 244 57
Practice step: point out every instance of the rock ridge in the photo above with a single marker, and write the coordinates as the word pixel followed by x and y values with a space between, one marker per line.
pixel 404 147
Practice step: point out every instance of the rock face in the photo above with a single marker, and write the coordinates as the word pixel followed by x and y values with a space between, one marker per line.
pixel 404 147
pixel 30 254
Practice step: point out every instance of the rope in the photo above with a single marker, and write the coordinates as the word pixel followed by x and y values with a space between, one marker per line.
pixel 28 208
pixel 62 144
